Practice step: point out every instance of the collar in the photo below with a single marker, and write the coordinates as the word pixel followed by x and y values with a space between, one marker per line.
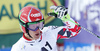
pixel 26 38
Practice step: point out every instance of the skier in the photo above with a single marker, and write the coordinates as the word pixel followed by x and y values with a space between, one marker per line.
pixel 36 37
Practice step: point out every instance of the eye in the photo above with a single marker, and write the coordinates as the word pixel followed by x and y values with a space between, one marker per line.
pixel 31 26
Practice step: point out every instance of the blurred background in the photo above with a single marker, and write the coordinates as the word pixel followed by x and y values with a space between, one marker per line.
pixel 86 12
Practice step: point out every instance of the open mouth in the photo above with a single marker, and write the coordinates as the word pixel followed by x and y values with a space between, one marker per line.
pixel 37 34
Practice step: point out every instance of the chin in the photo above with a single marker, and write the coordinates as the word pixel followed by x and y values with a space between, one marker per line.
pixel 37 37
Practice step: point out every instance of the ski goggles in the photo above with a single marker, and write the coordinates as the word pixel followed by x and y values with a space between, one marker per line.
pixel 35 25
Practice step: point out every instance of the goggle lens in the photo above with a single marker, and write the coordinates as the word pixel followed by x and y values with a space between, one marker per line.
pixel 34 26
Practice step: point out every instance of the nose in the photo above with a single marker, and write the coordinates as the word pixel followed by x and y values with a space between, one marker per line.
pixel 38 30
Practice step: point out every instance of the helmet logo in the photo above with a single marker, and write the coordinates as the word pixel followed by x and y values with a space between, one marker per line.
pixel 35 15
pixel 23 18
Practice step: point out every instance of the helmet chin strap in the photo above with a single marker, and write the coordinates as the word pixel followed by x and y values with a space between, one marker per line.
pixel 27 31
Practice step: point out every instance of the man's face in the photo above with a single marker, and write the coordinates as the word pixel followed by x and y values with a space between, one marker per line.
pixel 35 29
pixel 35 34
